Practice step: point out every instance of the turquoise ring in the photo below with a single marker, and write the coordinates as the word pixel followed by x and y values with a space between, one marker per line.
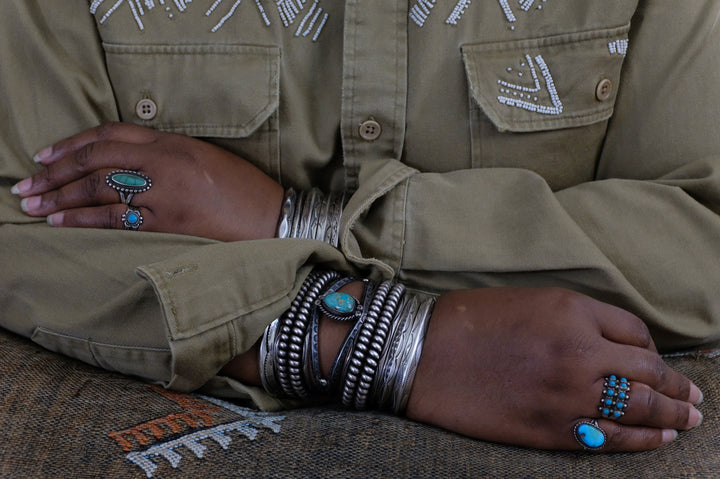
pixel 128 183
pixel 590 435
pixel 615 397
pixel 132 219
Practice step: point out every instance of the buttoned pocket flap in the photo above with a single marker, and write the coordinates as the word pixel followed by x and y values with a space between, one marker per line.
pixel 197 90
pixel 548 83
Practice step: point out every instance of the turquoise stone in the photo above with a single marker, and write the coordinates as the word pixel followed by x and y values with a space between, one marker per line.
pixel 590 435
pixel 621 395
pixel 341 303
pixel 132 218
pixel 128 179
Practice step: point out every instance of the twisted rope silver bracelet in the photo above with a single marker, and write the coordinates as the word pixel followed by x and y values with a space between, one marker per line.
pixel 377 361
pixel 311 215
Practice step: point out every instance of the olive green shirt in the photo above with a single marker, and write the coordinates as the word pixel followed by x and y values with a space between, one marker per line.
pixel 488 143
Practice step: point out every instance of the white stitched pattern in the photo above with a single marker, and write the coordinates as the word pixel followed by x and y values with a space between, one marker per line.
pixel 526 97
pixel 262 13
pixel 458 11
pixel 306 17
pixel 320 27
pixel 171 450
pixel 420 11
pixel 618 47
pixel 226 17
pixel 290 10
pixel 313 19
pixel 525 6
pixel 507 10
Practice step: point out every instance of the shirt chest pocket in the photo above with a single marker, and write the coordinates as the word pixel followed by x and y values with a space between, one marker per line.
pixel 228 93
pixel 543 104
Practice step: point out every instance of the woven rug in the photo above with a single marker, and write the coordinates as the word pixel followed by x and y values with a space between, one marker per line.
pixel 61 418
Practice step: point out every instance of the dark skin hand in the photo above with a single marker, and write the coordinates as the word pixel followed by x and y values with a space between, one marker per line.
pixel 518 366
pixel 522 366
pixel 198 189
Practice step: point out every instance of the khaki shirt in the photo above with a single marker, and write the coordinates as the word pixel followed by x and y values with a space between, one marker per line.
pixel 488 143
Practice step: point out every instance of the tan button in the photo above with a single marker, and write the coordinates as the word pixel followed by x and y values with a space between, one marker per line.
pixel 370 130
pixel 604 89
pixel 146 109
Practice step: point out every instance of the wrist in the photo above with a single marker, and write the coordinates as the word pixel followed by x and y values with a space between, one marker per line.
pixel 310 214
pixel 370 360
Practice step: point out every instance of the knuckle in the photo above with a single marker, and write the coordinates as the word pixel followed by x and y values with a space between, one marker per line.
pixel 113 218
pixel 83 157
pixel 650 403
pixel 106 131
pixel 92 185
pixel 566 301
pixel 643 333
pixel 51 200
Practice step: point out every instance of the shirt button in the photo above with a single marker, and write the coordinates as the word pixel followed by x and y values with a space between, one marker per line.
pixel 146 109
pixel 370 130
pixel 604 90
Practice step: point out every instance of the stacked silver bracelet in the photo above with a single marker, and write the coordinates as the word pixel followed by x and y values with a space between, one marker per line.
pixel 311 215
pixel 377 362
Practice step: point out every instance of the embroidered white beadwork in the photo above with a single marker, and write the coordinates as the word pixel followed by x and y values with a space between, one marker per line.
pixel 458 11
pixel 618 47
pixel 527 97
pixel 525 6
pixel 420 11
pixel 226 17
pixel 314 18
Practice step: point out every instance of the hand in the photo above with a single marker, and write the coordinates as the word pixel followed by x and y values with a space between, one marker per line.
pixel 523 366
pixel 197 188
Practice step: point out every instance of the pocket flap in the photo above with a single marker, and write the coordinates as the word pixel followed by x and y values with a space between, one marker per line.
pixel 547 83
pixel 197 90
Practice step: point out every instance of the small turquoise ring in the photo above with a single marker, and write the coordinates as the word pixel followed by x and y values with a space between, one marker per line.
pixel 590 435
pixel 128 183
pixel 132 219
pixel 615 397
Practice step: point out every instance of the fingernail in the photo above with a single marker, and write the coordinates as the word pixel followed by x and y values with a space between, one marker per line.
pixel 55 219
pixel 21 186
pixel 669 435
pixel 696 418
pixel 696 395
pixel 30 203
pixel 43 155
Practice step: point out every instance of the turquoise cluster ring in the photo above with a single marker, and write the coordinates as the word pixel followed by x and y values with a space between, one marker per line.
pixel 128 183
pixel 615 397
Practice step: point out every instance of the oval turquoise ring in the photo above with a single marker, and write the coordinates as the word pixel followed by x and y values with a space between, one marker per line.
pixel 590 435
pixel 128 183
pixel 132 219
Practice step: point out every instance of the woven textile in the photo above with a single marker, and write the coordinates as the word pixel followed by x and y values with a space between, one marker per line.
pixel 61 418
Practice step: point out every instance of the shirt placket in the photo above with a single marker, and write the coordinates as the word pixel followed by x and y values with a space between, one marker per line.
pixel 374 83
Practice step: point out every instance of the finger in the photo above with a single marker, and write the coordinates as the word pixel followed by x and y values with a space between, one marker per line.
pixel 121 132
pixel 647 407
pixel 641 365
pixel 621 326
pixel 89 158
pixel 623 438
pixel 116 216
pixel 88 191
